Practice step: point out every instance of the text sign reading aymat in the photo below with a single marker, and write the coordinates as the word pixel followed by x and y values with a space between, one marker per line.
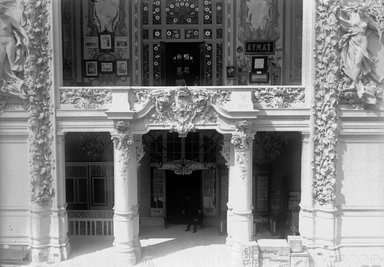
pixel 260 48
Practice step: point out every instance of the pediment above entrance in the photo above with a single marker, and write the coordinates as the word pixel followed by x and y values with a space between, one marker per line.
pixel 186 109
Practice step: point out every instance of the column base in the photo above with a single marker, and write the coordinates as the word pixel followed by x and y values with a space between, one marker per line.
pixel 60 252
pixel 39 254
pixel 129 254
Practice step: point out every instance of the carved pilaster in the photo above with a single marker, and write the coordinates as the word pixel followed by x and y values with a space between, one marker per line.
pixel 327 64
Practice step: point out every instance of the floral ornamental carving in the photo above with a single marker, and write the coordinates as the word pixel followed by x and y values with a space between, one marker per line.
pixel 362 53
pixel 326 101
pixel 38 83
pixel 242 141
pixel 279 97
pixel 86 98
pixel 122 140
pixel 182 108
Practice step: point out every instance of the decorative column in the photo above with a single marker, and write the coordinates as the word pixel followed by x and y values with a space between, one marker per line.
pixel 126 215
pixel 240 190
pixel 226 153
pixel 60 247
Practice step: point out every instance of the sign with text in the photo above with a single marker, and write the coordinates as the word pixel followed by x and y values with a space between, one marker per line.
pixel 265 48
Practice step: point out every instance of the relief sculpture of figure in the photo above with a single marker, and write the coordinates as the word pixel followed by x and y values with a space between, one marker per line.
pixel 13 48
pixel 360 49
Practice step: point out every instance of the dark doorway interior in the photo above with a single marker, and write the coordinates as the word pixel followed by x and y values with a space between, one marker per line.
pixel 182 61
pixel 178 187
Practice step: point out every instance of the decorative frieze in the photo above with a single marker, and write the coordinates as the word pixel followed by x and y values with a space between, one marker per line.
pixel 38 81
pixel 327 73
pixel 86 98
pixel 279 96
pixel 182 108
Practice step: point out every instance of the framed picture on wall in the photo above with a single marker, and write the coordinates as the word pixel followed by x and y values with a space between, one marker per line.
pixel 106 67
pixel 91 69
pixel 91 42
pixel 105 40
pixel 122 67
pixel 259 64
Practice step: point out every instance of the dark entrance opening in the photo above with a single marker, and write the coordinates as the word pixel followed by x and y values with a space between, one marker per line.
pixel 177 188
pixel 182 64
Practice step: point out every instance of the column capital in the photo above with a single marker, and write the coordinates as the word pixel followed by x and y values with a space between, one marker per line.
pixel 121 135
pixel 242 138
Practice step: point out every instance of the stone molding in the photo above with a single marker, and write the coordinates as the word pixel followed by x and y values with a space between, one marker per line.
pixel 86 98
pixel 279 96
pixel 327 73
pixel 182 108
pixel 38 81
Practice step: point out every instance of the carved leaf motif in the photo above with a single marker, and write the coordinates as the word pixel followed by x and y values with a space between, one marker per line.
pixel 84 98
pixel 279 97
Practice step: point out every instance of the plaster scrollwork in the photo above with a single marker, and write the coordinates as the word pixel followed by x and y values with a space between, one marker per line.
pixel 182 107
pixel 86 98
pixel 279 97
pixel 122 139
pixel 242 141
pixel 327 73
pixel 362 53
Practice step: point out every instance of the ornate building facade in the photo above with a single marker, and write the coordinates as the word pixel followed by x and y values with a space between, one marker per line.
pixel 267 112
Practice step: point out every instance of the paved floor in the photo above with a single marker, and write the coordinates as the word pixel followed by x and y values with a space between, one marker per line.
pixel 161 247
